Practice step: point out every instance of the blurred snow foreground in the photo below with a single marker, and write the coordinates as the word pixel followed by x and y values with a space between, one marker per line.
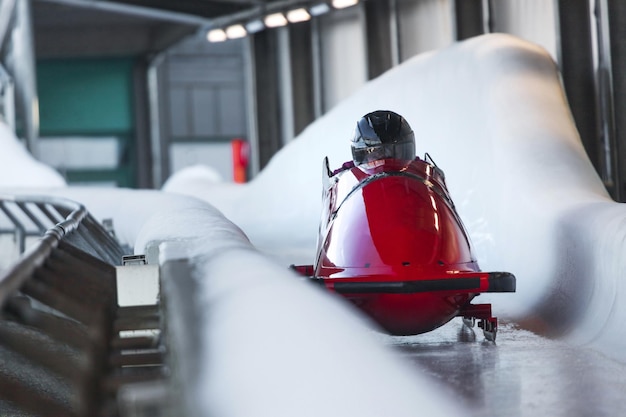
pixel 492 114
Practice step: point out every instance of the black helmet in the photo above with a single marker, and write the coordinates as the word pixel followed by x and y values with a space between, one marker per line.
pixel 382 134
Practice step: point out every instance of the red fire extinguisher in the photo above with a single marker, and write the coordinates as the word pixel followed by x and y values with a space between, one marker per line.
pixel 241 153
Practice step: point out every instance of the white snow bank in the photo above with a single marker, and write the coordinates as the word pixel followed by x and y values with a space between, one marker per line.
pixel 130 210
pixel 492 113
pixel 198 173
pixel 19 168
pixel 276 345
pixel 304 354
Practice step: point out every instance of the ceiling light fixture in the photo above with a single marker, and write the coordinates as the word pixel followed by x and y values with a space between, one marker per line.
pixel 236 31
pixel 298 15
pixel 342 4
pixel 216 35
pixel 275 20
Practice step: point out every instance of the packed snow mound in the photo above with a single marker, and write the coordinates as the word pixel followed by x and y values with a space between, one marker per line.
pixel 492 113
pixel 201 174
pixel 19 168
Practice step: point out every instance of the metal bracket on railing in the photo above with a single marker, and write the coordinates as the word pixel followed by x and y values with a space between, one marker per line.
pixel 134 260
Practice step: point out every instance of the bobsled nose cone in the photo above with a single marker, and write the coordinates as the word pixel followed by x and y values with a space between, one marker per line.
pixel 404 226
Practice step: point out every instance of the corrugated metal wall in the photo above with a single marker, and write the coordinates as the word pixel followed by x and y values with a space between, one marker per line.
pixel 206 106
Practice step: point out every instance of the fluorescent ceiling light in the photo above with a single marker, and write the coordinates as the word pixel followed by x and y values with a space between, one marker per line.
pixel 275 20
pixel 255 26
pixel 216 35
pixel 342 4
pixel 298 15
pixel 319 9
pixel 236 31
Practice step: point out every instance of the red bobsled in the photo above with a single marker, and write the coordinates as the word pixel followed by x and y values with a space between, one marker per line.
pixel 392 242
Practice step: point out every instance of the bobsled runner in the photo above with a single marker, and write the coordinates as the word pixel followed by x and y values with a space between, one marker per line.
pixel 391 241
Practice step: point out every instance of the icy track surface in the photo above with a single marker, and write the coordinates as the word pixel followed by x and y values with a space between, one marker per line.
pixel 521 375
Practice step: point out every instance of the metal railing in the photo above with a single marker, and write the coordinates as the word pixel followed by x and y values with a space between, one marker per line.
pixel 61 345
pixel 37 211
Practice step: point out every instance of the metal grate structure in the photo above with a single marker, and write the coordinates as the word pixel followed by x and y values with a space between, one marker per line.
pixel 66 347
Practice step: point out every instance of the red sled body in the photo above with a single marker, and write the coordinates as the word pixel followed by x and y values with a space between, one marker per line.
pixel 392 242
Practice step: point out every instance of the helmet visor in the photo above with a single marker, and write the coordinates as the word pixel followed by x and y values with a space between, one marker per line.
pixel 401 150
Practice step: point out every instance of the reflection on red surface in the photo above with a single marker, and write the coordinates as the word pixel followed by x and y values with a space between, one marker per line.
pixel 396 219
pixel 392 242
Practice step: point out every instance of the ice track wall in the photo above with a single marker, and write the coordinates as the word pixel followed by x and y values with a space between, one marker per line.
pixel 492 113
pixel 267 340
pixel 249 336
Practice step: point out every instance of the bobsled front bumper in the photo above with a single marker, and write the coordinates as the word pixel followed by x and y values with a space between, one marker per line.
pixel 465 282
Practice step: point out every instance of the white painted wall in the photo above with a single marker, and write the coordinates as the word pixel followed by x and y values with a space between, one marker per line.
pixel 214 155
pixel 424 25
pixel 80 152
pixel 343 55
pixel 533 20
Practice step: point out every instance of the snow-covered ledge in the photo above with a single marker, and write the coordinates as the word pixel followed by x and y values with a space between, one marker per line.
pixel 251 338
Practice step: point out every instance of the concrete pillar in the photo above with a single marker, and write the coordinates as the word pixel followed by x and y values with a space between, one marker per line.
pixel 380 26
pixel 265 50
pixel 617 30
pixel 20 63
pixel 576 63
pixel 469 16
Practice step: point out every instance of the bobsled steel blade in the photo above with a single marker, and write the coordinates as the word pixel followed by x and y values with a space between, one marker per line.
pixel 482 312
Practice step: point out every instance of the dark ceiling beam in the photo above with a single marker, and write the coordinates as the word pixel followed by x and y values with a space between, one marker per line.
pixel 137 11
pixel 205 8
pixel 94 41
